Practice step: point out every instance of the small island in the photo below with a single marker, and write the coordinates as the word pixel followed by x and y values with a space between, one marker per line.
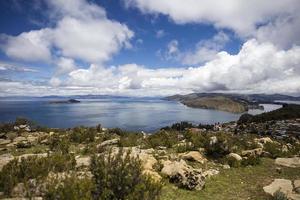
pixel 65 101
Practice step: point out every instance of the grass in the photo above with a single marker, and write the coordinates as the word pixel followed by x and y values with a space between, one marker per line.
pixel 236 183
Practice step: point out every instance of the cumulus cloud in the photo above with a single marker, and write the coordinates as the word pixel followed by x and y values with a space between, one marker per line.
pixel 242 16
pixel 258 67
pixel 81 31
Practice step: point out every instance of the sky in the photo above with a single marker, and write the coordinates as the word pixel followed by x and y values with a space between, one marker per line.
pixel 149 47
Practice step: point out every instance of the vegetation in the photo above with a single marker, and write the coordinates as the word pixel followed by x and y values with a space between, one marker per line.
pixel 120 177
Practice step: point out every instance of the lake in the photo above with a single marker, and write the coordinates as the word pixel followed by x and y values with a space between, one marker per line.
pixel 127 113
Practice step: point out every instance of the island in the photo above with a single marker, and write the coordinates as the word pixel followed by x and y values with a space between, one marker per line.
pixel 65 101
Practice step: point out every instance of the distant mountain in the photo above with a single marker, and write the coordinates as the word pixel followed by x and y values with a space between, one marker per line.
pixel 236 103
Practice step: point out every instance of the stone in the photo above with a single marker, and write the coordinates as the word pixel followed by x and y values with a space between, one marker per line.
pixel 264 140
pixel 283 185
pixel 235 156
pixel 211 172
pixel 297 186
pixel 110 142
pixel 183 175
pixel 193 156
pixel 38 155
pixel 4 159
pixel 252 152
pixel 20 139
pixel 288 162
pixel 226 166
pixel 83 161
pixel 4 142
pixel 32 139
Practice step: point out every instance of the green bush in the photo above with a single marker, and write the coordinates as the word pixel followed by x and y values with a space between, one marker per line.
pixel 33 168
pixel 181 148
pixel 163 138
pixel 59 144
pixel 232 162
pixel 82 134
pixel 131 139
pixel 197 139
pixel 120 177
pixel 274 149
pixel 251 160
pixel 219 149
pixel 71 187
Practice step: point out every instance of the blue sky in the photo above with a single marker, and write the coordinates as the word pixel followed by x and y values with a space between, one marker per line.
pixel 148 48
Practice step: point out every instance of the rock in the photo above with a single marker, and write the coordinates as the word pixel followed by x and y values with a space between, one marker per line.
pixel 264 140
pixel 282 185
pixel 20 139
pixel 284 148
pixel 4 159
pixel 193 156
pixel 83 161
pixel 154 175
pixel 297 186
pixel 252 152
pixel 288 162
pixel 183 175
pixel 226 166
pixel 235 156
pixel 4 142
pixel 32 139
pixel 19 190
pixel 39 155
pixel 24 144
pixel 109 142
pixel 211 172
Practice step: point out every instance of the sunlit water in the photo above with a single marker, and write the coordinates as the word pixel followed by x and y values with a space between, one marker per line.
pixel 130 114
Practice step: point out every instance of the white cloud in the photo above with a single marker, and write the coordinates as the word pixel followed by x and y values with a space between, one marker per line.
pixel 64 66
pixel 5 66
pixel 160 33
pixel 242 16
pixel 258 67
pixel 81 31
pixel 29 46
pixel 204 51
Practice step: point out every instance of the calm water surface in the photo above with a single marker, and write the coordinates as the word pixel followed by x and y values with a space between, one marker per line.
pixel 130 114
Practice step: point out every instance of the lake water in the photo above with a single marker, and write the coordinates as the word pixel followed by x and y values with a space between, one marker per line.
pixel 129 114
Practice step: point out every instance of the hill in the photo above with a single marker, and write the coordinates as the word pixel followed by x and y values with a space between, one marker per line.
pixel 236 103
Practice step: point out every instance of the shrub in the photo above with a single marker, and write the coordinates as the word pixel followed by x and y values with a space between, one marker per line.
pixel 70 187
pixel 82 134
pixel 59 144
pixel 218 149
pixel 163 138
pixel 130 139
pixel 181 148
pixel 33 168
pixel 251 160
pixel 120 177
pixel 197 139
pixel 274 149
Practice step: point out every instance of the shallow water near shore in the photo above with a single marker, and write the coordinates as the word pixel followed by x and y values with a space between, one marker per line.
pixel 130 114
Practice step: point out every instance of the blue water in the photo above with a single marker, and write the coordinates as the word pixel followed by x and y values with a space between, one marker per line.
pixel 129 114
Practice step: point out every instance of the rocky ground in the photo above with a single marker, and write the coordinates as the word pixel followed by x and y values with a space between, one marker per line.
pixel 191 164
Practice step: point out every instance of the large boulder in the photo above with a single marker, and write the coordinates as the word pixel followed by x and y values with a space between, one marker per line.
pixel 283 185
pixel 193 156
pixel 235 156
pixel 183 175
pixel 288 162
